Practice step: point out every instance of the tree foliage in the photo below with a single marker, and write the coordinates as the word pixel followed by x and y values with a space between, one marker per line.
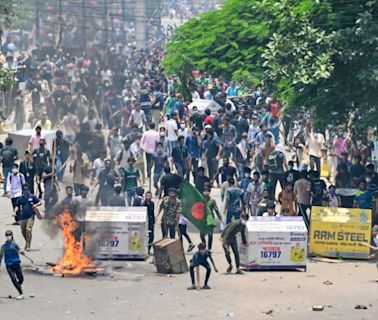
pixel 314 54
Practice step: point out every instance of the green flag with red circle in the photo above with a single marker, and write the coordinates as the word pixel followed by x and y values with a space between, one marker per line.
pixel 195 208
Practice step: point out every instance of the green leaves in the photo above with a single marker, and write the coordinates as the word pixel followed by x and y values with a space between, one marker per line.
pixel 317 55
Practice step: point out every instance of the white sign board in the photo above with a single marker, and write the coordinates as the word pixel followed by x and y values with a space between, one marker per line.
pixel 274 243
pixel 117 232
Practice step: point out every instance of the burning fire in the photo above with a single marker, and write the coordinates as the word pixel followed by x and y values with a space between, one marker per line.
pixel 74 260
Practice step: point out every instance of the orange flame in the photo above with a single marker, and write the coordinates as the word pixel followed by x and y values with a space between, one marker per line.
pixel 74 260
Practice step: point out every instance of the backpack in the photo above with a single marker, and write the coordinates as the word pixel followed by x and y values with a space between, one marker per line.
pixel 7 158
pixel 274 160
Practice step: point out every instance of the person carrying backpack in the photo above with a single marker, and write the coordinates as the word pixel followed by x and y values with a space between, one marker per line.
pixel 15 181
pixel 8 156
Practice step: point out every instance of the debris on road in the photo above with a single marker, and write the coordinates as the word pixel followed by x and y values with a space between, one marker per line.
pixel 228 314
pixel 327 283
pixel 317 308
pixel 269 312
pixel 31 295
pixel 360 307
pixel 328 260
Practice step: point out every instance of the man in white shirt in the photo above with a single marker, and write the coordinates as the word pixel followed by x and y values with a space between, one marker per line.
pixel 15 181
pixel 172 130
pixel 149 140
pixel 98 165
pixel 137 117
pixel 315 143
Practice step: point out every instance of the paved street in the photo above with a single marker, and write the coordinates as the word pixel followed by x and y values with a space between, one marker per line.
pixel 136 291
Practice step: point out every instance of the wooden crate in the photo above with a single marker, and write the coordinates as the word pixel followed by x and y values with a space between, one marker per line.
pixel 169 256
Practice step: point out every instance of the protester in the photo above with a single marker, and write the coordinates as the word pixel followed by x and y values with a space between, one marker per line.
pixel 233 203
pixel 151 218
pixel 200 259
pixel 15 181
pixel 26 204
pixel 8 156
pixel 10 250
pixel 229 241
pixel 171 208
pixel 214 210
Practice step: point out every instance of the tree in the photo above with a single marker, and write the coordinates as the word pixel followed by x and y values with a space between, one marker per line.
pixel 314 55
pixel 7 10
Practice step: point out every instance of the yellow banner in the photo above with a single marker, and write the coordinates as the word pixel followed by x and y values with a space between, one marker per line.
pixel 338 232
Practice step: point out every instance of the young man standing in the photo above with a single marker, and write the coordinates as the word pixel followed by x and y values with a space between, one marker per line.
pixel 8 156
pixel 10 250
pixel 255 193
pixel 149 140
pixel 171 208
pixel 151 218
pixel 80 205
pixel 131 176
pixel 27 168
pixel 26 204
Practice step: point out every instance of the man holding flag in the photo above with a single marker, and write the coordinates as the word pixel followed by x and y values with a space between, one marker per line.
pixel 196 209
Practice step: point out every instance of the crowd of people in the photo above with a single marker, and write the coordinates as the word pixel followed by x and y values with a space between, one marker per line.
pixel 123 130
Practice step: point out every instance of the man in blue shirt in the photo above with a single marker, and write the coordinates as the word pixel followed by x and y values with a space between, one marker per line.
pixel 27 204
pixel 193 147
pixel 234 197
pixel 10 251
pixel 200 259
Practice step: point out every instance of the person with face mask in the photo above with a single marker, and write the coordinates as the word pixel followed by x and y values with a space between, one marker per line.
pixel 164 141
pixel 26 205
pixel 183 130
pixel 15 181
pixel 291 175
pixel 228 238
pixel 255 192
pixel 11 251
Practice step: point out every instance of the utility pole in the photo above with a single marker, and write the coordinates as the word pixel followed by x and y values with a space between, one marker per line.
pixel 140 25
pixel 124 16
pixel 105 22
pixel 37 25
pixel 112 27
pixel 84 22
pixel 60 10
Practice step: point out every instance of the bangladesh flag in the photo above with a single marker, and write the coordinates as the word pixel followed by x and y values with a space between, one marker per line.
pixel 195 208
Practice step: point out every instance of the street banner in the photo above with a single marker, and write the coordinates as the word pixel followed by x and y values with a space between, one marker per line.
pixel 339 232
pixel 117 232
pixel 276 243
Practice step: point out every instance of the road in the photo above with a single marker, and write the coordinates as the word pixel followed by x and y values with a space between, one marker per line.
pixel 136 291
